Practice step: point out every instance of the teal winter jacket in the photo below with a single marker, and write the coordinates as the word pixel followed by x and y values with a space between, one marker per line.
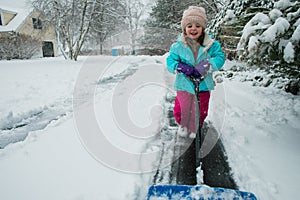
pixel 181 52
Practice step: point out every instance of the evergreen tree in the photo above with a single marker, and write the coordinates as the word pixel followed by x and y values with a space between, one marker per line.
pixel 108 17
pixel 168 13
pixel 230 21
pixel 163 25
pixel 265 34
pixel 271 41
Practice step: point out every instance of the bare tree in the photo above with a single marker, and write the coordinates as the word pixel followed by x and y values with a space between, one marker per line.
pixel 72 19
pixel 108 16
pixel 134 10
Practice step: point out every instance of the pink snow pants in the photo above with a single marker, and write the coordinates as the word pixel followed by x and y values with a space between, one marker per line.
pixel 185 110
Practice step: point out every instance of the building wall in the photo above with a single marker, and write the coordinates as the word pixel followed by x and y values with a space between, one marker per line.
pixel 22 23
pixel 7 17
pixel 47 33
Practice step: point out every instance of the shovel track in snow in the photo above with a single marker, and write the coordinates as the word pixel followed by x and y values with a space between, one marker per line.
pixel 16 128
pixel 177 164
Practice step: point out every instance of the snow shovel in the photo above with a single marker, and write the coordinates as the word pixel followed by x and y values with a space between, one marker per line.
pixel 197 192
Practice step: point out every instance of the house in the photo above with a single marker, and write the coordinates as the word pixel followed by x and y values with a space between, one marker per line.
pixel 24 21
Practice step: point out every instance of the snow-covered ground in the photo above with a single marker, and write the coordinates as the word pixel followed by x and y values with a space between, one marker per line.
pixel 261 135
pixel 80 130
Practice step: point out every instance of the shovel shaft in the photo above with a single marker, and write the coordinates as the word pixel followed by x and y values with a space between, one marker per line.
pixel 196 82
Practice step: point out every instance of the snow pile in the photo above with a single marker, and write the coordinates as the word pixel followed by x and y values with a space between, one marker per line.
pixel 261 121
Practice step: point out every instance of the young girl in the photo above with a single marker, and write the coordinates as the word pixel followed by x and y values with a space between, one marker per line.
pixel 194 54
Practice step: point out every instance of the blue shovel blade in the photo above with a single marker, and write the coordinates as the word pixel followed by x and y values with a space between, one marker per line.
pixel 198 192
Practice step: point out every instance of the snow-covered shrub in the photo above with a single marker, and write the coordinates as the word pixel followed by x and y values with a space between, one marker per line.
pixel 266 35
pixel 279 28
pixel 257 24
pixel 18 46
pixel 273 38
pixel 230 22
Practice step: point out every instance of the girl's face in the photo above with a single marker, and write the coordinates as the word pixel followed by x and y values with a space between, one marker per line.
pixel 193 30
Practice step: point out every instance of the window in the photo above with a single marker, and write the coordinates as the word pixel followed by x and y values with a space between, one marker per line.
pixel 37 23
pixel 0 19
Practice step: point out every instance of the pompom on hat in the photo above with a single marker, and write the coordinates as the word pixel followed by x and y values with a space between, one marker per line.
pixel 194 14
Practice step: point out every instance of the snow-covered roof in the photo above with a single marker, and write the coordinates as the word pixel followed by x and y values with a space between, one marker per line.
pixel 15 4
pixel 22 10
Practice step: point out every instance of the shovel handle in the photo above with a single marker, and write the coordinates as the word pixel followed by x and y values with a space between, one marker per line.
pixel 196 82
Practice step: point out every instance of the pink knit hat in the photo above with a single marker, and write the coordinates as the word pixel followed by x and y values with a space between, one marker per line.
pixel 194 14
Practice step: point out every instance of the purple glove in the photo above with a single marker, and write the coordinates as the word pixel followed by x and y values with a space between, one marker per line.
pixel 202 69
pixel 185 69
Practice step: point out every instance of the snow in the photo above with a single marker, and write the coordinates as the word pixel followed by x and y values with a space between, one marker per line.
pixel 230 17
pixel 282 4
pixel 261 135
pixel 296 35
pixel 57 158
pixel 259 21
pixel 41 92
pixel 289 53
pixel 294 15
pixel 275 14
pixel 253 43
pixel 280 26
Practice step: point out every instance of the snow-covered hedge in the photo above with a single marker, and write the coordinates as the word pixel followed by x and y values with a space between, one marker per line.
pixel 18 46
pixel 273 37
